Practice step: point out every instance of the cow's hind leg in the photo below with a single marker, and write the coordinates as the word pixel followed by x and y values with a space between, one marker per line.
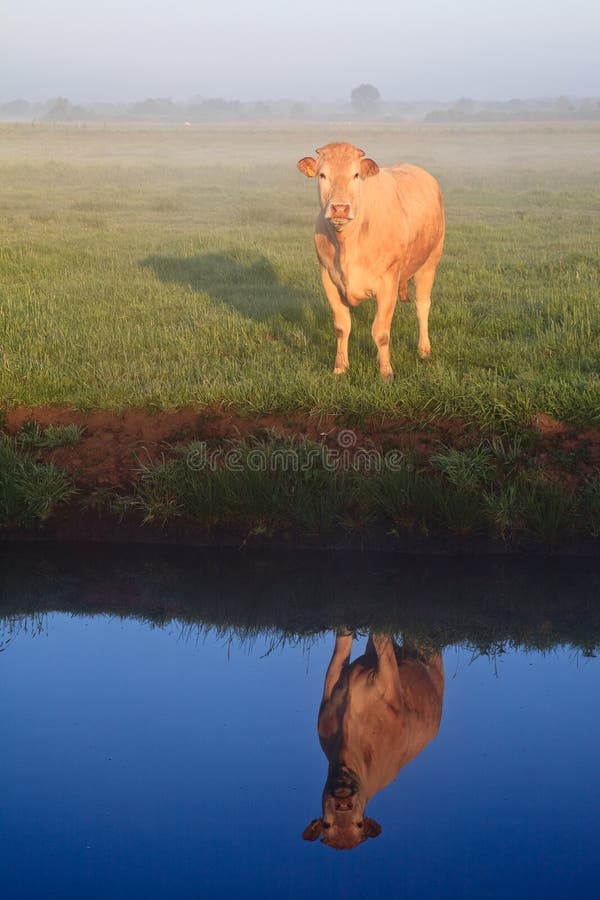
pixel 339 661
pixel 387 661
pixel 423 280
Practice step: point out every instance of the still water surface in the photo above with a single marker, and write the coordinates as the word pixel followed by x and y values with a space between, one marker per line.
pixel 157 761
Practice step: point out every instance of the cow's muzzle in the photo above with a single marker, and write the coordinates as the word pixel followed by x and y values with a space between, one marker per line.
pixel 339 213
pixel 343 797
pixel 342 785
pixel 344 790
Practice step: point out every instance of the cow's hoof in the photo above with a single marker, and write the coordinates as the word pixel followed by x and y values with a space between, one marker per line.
pixel 424 352
pixel 342 631
pixel 387 377
pixel 340 371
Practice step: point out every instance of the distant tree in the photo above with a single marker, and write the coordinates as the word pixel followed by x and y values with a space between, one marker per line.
pixel 155 108
pixel 262 110
pixel 366 99
pixel 298 111
pixel 589 109
pixel 213 109
pixel 62 110
pixel 17 109
pixel 563 105
pixel 465 105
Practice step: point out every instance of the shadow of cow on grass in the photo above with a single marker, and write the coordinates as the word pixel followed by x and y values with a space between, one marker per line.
pixel 251 286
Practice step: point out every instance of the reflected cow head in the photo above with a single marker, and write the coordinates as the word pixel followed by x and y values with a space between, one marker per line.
pixel 343 824
pixel 342 835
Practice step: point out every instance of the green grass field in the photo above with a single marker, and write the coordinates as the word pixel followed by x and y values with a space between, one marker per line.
pixel 164 267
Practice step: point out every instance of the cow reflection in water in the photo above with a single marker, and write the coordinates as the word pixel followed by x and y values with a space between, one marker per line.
pixel 377 714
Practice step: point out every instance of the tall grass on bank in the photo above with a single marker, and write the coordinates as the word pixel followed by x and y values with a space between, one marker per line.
pixel 157 268
pixel 30 491
pixel 274 485
pixel 284 484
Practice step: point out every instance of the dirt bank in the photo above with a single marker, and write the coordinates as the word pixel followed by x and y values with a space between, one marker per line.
pixel 116 445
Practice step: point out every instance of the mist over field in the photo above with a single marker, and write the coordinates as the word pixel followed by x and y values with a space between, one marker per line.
pixel 126 52
pixel 365 105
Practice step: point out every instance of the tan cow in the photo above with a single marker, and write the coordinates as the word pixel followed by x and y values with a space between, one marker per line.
pixel 377 714
pixel 377 228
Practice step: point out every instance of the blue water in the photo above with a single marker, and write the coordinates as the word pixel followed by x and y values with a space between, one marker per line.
pixel 142 762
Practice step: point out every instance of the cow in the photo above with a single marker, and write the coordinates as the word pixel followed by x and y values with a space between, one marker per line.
pixel 377 229
pixel 377 713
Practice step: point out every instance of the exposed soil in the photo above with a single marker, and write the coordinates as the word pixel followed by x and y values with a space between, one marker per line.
pixel 115 446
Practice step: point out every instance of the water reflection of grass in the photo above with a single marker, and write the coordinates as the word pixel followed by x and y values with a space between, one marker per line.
pixel 488 605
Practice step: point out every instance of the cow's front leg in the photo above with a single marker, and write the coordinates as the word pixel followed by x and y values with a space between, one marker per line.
pixel 341 322
pixel 382 323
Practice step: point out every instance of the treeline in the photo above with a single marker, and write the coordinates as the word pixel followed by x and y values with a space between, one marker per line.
pixel 215 109
pixel 555 108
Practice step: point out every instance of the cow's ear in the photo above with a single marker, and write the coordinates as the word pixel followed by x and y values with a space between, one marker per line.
pixel 371 828
pixel 368 167
pixel 313 831
pixel 308 166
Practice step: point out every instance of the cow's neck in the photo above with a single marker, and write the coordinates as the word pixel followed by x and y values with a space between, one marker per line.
pixel 352 773
pixel 345 239
pixel 345 243
pixel 347 758
pixel 344 772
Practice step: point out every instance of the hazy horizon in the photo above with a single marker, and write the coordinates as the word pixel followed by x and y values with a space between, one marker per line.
pixel 127 50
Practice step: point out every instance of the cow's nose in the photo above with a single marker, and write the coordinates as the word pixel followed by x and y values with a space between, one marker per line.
pixel 339 210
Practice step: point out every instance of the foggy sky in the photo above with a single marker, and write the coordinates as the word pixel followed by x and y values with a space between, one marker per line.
pixel 428 49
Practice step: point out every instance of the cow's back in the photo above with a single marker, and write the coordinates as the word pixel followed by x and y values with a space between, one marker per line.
pixel 420 197
pixel 403 210
pixel 421 692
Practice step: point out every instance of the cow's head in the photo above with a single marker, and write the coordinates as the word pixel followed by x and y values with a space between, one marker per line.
pixel 343 824
pixel 340 170
pixel 342 834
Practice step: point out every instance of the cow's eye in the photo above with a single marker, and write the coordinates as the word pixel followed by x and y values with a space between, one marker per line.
pixel 357 175
pixel 322 175
pixel 359 824
pixel 326 825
